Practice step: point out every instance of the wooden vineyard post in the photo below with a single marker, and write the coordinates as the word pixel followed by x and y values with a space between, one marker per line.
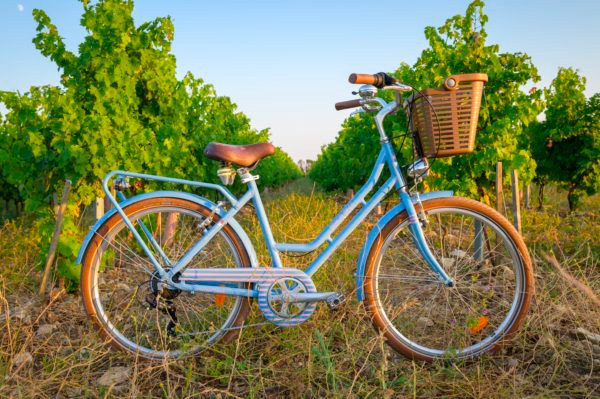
pixel 516 203
pixel 157 231
pixel 527 196
pixel 107 204
pixel 170 226
pixel 55 235
pixel 55 204
pixel 499 186
pixel 499 208
pixel 99 206
pixel 478 241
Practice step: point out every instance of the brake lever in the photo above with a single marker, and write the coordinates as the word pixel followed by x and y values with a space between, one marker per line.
pixel 398 87
pixel 369 108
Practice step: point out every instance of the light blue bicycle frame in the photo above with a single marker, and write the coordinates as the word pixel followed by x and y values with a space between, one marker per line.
pixel 386 157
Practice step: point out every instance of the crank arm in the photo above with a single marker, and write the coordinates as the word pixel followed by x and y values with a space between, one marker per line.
pixel 305 297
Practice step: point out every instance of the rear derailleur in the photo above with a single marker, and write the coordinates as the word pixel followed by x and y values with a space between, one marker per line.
pixel 161 297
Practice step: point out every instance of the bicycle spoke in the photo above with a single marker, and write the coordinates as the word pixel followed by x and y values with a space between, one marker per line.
pixel 424 311
pixel 131 300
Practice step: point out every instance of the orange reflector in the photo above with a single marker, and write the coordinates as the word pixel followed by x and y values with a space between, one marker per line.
pixel 479 325
pixel 220 299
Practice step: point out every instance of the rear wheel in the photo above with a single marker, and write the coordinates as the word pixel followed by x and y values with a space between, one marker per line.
pixel 493 282
pixel 122 294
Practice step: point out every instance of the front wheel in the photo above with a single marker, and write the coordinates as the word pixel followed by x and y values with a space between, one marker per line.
pixel 493 282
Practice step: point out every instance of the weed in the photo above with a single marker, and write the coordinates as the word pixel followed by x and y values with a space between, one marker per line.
pixel 334 354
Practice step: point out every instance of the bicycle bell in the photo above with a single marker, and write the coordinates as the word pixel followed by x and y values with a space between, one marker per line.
pixel 367 91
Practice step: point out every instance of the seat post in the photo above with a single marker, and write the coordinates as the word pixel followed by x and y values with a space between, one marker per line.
pixel 246 176
pixel 250 180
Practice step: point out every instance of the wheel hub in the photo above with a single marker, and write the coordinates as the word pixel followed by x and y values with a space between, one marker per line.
pixel 159 286
pixel 279 297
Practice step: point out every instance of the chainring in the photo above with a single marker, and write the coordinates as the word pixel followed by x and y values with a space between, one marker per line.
pixel 273 305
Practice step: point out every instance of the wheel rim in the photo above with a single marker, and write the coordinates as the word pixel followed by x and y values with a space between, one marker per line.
pixel 462 321
pixel 123 307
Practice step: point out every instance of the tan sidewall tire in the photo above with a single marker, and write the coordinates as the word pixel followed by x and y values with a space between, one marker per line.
pixel 453 202
pixel 112 222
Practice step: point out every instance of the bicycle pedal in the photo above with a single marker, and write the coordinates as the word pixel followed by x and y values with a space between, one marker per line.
pixel 335 300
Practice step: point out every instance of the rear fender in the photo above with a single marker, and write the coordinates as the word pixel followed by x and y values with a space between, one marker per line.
pixel 172 194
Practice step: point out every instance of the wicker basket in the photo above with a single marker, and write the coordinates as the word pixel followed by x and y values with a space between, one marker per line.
pixel 456 106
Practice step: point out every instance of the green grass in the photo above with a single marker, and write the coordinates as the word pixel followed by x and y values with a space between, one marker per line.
pixel 333 355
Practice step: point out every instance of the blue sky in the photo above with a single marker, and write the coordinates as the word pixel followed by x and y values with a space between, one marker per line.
pixel 285 63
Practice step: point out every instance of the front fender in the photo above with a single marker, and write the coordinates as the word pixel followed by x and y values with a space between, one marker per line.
pixel 375 231
pixel 173 194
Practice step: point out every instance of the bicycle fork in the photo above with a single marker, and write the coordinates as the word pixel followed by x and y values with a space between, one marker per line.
pixel 418 237
pixel 414 225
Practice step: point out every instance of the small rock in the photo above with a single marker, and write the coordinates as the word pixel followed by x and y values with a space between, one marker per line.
pixel 122 286
pixel 458 253
pixel 512 362
pixel 447 262
pixel 22 358
pixel 425 322
pixel 45 329
pixel 581 332
pixel 507 273
pixel 114 376
pixel 23 312
pixel 70 299
pixel 73 392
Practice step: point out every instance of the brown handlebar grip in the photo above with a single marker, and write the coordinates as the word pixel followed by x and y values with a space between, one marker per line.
pixel 348 104
pixel 363 78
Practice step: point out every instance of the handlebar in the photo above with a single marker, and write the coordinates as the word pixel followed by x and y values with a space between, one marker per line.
pixel 348 104
pixel 378 80
pixel 362 78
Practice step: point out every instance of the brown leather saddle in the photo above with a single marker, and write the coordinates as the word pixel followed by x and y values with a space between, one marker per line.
pixel 243 155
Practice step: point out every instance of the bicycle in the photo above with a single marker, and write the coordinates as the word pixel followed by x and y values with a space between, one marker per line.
pixel 169 273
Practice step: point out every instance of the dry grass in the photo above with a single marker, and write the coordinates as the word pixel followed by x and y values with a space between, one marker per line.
pixel 333 355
